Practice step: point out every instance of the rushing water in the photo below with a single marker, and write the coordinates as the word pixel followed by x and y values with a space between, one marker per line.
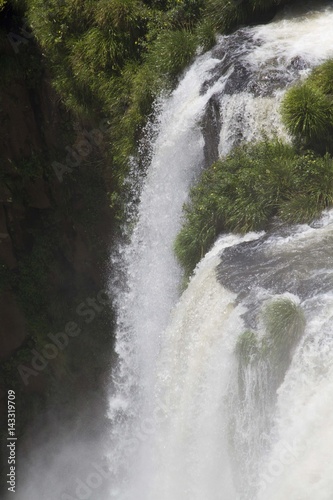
pixel 183 425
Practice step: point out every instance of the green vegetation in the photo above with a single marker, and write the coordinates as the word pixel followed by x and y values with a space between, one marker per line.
pixel 322 77
pixel 259 181
pixel 307 110
pixel 108 59
pixel 113 57
pixel 246 189
pixel 284 324
pixel 247 347
pixel 227 14
pixel 90 43
pixel 281 323
pixel 308 115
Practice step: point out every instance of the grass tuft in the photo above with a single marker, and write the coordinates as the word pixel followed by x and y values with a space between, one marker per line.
pixel 308 114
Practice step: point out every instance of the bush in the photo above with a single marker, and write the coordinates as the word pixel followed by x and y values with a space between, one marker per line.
pixel 225 14
pixel 206 34
pixel 244 191
pixel 308 115
pixel 284 323
pixel 307 110
pixel 322 77
pixel 171 52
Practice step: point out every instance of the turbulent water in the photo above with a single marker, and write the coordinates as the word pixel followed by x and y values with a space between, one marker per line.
pixel 190 421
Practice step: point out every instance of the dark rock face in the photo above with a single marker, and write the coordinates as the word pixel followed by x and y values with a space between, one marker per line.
pixel 54 248
pixel 230 51
pixel 28 200
pixel 297 63
pixel 211 126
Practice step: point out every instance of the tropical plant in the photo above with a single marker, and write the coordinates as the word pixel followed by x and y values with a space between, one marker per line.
pixel 308 115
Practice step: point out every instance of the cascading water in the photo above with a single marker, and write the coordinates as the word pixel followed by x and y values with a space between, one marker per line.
pixel 192 419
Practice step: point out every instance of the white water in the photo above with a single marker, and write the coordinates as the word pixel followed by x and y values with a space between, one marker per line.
pixel 175 391
pixel 299 466
pixel 250 116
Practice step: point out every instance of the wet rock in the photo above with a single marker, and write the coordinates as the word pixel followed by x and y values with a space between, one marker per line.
pixel 239 79
pixel 298 63
pixel 231 52
pixel 211 125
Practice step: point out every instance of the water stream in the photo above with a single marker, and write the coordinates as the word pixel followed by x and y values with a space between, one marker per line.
pixel 184 427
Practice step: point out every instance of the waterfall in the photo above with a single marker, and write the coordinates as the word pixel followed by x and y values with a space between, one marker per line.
pixel 190 419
